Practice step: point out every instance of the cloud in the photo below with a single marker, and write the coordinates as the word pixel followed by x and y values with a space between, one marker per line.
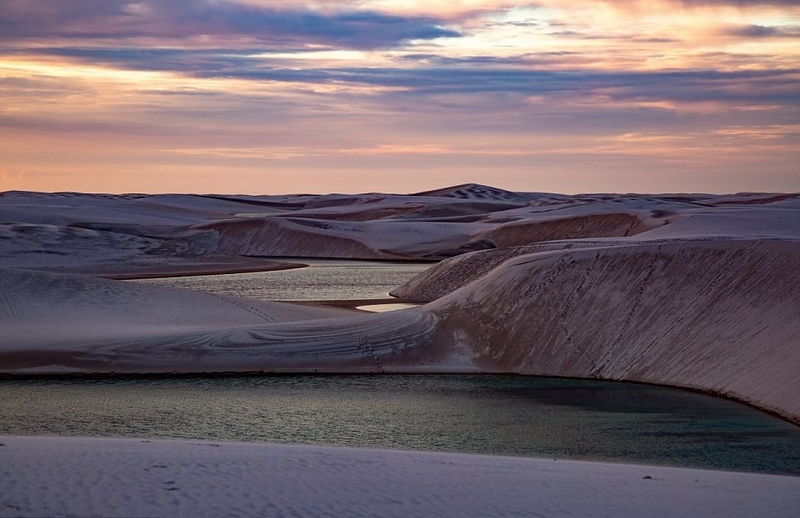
pixel 762 31
pixel 736 3
pixel 777 86
pixel 672 4
pixel 181 19
pixel 428 75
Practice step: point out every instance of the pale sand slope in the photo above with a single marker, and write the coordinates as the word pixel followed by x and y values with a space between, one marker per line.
pixel 118 254
pixel 64 323
pixel 722 316
pixel 132 477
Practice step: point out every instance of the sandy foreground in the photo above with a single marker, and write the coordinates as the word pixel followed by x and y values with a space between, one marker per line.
pixel 42 476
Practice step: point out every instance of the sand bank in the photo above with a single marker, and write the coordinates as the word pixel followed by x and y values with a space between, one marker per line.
pixel 135 477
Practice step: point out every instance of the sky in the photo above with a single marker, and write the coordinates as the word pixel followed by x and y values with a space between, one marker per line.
pixel 277 97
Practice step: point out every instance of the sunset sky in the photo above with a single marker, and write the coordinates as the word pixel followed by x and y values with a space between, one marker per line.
pixel 276 96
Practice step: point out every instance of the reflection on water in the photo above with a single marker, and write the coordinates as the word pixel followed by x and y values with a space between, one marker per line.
pixel 321 280
pixel 382 308
pixel 506 415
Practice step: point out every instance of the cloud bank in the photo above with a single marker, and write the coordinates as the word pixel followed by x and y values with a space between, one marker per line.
pixel 178 19
pixel 567 96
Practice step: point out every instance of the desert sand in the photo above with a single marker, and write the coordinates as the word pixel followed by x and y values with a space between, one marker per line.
pixel 691 290
pixel 41 476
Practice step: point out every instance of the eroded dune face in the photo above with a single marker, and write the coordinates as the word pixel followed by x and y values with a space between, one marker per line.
pixel 717 315
pixel 579 227
pixel 281 237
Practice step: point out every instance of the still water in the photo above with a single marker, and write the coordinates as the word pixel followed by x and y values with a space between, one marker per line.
pixel 504 415
pixel 321 280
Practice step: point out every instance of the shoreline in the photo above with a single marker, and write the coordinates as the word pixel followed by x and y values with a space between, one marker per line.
pixel 191 270
pixel 345 303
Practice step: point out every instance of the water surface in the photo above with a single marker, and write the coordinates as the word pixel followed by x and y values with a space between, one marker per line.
pixel 503 415
pixel 323 279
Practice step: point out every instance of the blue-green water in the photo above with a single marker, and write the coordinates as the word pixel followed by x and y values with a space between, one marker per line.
pixel 504 415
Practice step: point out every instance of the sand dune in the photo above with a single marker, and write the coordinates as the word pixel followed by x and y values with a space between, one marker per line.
pixel 65 323
pixel 288 237
pixel 719 316
pixel 692 290
pixel 41 229
pixel 455 272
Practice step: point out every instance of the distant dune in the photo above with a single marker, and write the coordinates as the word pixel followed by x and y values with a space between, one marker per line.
pixel 691 290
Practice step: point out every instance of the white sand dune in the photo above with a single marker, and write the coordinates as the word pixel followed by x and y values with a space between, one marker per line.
pixel 132 477
pixel 660 220
pixel 116 251
pixel 65 323
pixel 691 290
pixel 42 230
pixel 718 315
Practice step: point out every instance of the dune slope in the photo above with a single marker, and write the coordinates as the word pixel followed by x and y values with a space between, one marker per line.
pixel 56 323
pixel 719 316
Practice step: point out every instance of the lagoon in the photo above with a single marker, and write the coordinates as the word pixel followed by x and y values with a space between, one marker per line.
pixel 498 415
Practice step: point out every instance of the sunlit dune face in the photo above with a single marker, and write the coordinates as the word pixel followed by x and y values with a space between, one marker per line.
pixel 258 95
